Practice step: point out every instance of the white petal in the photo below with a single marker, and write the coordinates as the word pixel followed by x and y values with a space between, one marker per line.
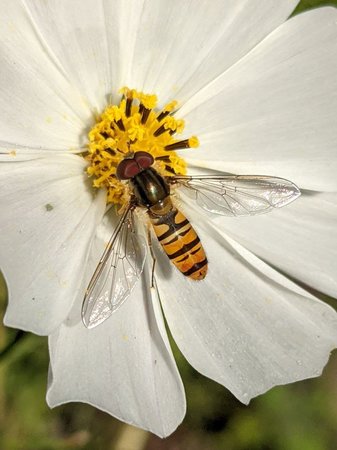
pixel 181 46
pixel 123 366
pixel 242 327
pixel 49 214
pixel 300 239
pixel 171 48
pixel 80 35
pixel 40 108
pixel 273 113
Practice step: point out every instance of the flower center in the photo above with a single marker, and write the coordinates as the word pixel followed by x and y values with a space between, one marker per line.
pixel 134 125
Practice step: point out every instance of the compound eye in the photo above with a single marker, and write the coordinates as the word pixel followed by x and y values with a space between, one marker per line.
pixel 128 168
pixel 144 159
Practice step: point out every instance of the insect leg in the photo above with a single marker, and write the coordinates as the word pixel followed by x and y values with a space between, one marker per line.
pixel 149 241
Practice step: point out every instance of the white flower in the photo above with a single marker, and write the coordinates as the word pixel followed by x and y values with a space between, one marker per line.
pixel 261 96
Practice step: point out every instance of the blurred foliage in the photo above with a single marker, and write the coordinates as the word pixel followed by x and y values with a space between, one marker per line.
pixel 301 416
pixel 309 4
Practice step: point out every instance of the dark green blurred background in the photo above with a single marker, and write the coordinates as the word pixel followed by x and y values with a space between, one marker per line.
pixel 301 416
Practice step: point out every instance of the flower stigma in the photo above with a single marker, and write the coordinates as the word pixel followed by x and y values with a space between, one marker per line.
pixel 134 125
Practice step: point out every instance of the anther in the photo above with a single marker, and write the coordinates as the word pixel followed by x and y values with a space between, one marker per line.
pixel 162 158
pixel 145 115
pixel 120 124
pixel 192 142
pixel 177 145
pixel 162 115
pixel 160 130
pixel 128 106
pixel 110 151
pixel 170 170
pixel 167 110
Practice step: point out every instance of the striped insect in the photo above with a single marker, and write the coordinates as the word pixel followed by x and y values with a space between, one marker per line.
pixel 123 259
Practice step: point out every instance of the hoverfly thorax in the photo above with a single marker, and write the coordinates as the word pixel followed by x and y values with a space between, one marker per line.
pixel 148 186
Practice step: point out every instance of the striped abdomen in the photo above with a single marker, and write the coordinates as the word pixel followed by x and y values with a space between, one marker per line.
pixel 181 243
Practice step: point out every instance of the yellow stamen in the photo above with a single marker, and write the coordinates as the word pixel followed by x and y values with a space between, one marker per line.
pixel 134 125
pixel 149 101
pixel 192 142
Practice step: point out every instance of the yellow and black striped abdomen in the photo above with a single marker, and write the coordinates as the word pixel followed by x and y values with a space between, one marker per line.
pixel 181 243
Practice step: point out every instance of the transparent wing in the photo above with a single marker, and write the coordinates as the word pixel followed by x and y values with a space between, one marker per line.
pixel 238 195
pixel 116 274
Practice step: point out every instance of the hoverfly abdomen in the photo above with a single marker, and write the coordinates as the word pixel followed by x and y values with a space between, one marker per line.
pixel 179 240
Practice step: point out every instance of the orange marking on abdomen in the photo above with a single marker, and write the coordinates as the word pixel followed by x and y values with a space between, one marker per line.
pixel 181 244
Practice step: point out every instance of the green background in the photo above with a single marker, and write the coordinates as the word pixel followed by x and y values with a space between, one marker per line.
pixel 301 416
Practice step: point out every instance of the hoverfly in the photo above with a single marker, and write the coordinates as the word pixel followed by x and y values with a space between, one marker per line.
pixel 123 259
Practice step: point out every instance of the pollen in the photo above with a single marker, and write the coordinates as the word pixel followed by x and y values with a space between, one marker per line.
pixel 135 124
